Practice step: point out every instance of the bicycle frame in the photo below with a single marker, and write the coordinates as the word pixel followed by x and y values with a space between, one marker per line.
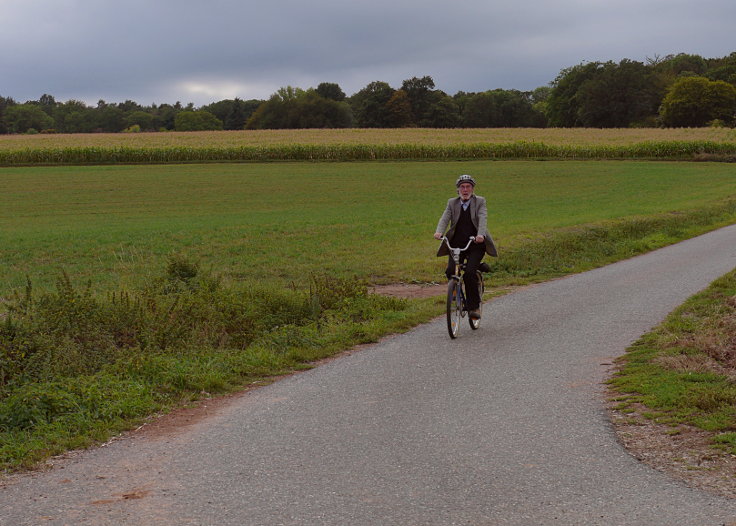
pixel 456 306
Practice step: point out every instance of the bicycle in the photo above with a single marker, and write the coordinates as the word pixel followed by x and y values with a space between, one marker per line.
pixel 456 306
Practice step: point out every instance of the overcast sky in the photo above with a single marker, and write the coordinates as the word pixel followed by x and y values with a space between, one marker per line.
pixel 202 51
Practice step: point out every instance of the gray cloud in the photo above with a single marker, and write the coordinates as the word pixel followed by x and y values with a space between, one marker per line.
pixel 195 51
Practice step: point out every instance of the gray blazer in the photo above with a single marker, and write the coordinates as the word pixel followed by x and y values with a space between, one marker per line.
pixel 479 216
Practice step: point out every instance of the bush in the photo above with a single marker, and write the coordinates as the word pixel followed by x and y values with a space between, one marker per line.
pixel 69 331
pixel 75 403
pixel 695 101
pixel 196 121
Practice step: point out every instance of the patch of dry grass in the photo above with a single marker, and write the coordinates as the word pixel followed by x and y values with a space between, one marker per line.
pixel 684 372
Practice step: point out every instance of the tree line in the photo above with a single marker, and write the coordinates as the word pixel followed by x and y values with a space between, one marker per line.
pixel 675 90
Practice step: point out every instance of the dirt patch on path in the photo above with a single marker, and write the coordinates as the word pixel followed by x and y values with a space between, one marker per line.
pixel 407 290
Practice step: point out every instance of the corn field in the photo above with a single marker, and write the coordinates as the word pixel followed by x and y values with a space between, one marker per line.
pixel 369 144
pixel 428 136
pixel 81 155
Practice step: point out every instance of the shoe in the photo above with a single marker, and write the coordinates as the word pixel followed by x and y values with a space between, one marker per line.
pixel 483 267
pixel 474 314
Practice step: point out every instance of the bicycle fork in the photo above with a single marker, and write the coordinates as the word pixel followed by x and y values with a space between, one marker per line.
pixel 460 295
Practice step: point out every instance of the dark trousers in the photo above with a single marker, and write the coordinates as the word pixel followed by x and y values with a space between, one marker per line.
pixel 472 258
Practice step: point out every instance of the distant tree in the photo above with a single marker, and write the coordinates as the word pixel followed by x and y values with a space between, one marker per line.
pixel 540 94
pixel 83 121
pixel 725 73
pixel 398 110
pixel 723 68
pixel 563 104
pixel 219 109
pixel 5 102
pixel 666 70
pixel 130 105
pixel 683 63
pixel 330 90
pixel 318 112
pixel 538 98
pixel 109 118
pixel 479 111
pixel 696 101
pixel 47 103
pixel 516 110
pixel 500 109
pixel 278 112
pixel 236 117
pixel 419 91
pixel 165 116
pixel 617 96
pixel 234 113
pixel 248 107
pixel 20 118
pixel 296 108
pixel 442 111
pixel 369 105
pixel 74 116
pixel 460 99
pixel 145 120
pixel 190 120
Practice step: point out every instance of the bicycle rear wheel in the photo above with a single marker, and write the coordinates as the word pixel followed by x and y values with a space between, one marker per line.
pixel 474 324
pixel 454 307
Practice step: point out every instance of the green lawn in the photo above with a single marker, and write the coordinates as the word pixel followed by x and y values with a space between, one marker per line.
pixel 114 224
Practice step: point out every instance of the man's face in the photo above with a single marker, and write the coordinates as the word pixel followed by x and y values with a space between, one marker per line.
pixel 465 190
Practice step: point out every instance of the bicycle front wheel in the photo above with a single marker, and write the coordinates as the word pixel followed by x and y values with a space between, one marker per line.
pixel 454 307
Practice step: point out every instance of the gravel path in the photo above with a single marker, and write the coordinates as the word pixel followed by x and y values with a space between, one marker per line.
pixel 503 426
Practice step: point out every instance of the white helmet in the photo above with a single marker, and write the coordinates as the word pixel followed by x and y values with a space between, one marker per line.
pixel 464 179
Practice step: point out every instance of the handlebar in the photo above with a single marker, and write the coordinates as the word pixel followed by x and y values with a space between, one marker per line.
pixel 458 250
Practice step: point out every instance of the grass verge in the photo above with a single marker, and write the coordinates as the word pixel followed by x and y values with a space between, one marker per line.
pixel 584 247
pixel 76 367
pixel 684 371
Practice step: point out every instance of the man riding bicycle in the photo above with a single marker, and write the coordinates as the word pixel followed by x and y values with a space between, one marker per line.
pixel 466 216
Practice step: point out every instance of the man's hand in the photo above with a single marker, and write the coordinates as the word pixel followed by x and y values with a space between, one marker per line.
pixel 438 235
pixel 479 239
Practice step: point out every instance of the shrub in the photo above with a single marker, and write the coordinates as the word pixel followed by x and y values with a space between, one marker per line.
pixel 196 121
pixel 695 101
pixel 33 405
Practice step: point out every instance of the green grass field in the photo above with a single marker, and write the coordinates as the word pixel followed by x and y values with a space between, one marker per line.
pixel 114 224
pixel 172 254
